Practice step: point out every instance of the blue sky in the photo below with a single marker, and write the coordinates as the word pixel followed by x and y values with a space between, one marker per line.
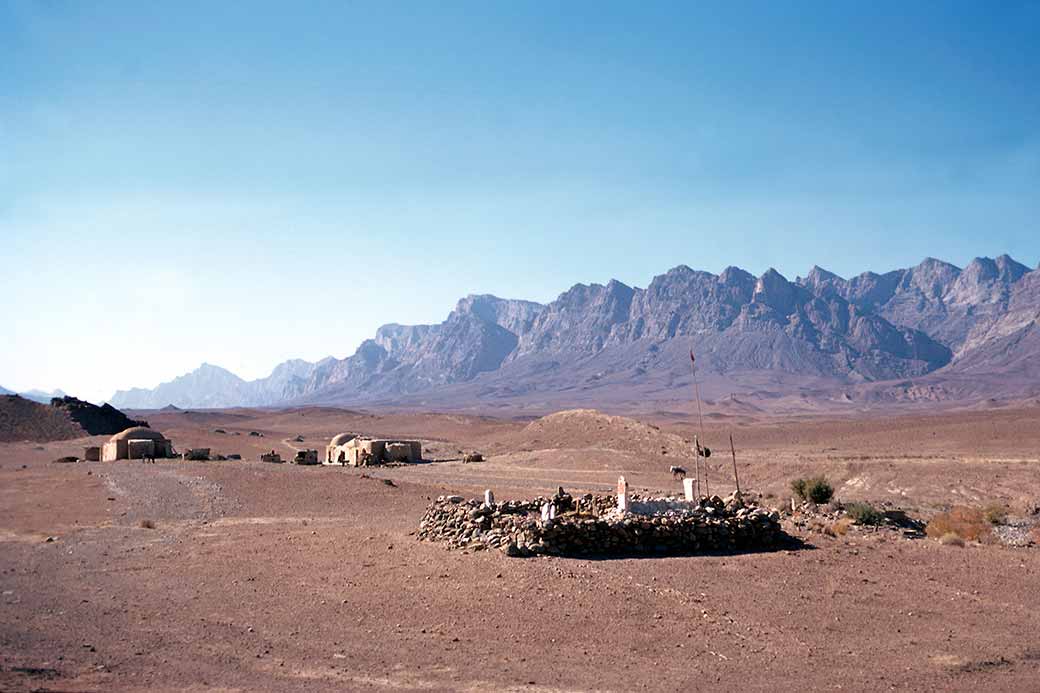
pixel 188 182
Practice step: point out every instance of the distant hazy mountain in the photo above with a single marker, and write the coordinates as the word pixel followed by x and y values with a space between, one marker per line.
pixel 770 334
pixel 214 387
pixel 34 395
pixel 41 396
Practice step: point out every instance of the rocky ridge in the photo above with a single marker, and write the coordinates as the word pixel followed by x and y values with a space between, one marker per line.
pixel 934 318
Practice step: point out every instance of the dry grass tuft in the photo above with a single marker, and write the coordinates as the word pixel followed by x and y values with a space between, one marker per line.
pixel 951 539
pixel 839 528
pixel 970 524
pixel 148 524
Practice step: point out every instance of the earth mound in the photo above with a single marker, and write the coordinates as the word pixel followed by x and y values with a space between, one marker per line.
pixel 588 428
pixel 64 418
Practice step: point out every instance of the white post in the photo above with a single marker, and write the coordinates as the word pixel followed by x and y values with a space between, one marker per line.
pixel 622 494
pixel 489 498
pixel 687 485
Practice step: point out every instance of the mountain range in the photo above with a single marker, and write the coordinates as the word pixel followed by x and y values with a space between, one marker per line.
pixel 933 331
pixel 35 395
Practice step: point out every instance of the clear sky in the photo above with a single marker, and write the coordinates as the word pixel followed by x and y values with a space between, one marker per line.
pixel 241 183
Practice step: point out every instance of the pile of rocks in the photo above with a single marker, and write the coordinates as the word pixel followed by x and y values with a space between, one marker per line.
pixel 592 525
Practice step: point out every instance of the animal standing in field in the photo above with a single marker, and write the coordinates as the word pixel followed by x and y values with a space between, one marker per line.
pixel 677 472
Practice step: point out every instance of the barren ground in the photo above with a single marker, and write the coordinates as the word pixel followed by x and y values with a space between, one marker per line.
pixel 276 577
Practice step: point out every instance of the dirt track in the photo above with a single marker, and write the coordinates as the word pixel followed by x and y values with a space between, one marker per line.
pixel 275 577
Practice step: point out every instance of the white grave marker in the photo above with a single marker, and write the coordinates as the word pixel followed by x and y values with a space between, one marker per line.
pixel 622 494
pixel 687 485
pixel 489 498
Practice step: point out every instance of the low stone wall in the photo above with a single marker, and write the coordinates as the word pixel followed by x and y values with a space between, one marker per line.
pixel 591 526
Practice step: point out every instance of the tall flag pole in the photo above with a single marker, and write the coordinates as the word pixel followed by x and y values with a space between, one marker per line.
pixel 700 417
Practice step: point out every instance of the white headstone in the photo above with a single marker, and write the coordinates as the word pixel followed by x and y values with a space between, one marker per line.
pixel 687 485
pixel 622 494
pixel 546 508
pixel 489 498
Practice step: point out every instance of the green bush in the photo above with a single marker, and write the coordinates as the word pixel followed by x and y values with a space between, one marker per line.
pixel 798 486
pixel 864 513
pixel 815 489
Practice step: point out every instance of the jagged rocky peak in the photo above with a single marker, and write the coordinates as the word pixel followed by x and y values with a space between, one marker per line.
pixel 580 320
pixel 824 284
pixel 773 290
pixel 984 269
pixel 514 315
pixel 678 277
pixel 369 352
pixel 683 278
pixel 292 368
pixel 985 280
pixel 931 277
pixel 734 276
pixel 587 293
pixel 613 298
pixel 684 301
pixel 1012 267
pixel 818 275
pixel 396 338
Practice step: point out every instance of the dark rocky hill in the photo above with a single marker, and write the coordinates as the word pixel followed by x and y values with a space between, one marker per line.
pixel 62 419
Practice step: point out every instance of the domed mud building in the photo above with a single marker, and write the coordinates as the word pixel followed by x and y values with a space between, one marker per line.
pixel 136 443
pixel 359 451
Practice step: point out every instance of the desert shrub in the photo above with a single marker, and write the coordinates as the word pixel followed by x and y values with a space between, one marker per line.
pixel 970 524
pixel 951 539
pixel 816 489
pixel 147 524
pixel 995 513
pixel 864 513
pixel 798 487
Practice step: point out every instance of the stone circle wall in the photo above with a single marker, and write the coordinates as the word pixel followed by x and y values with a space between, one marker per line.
pixel 591 526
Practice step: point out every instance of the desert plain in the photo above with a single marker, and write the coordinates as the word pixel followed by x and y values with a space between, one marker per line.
pixel 248 576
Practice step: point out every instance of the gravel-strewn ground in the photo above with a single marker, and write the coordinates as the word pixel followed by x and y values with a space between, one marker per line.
pixel 278 577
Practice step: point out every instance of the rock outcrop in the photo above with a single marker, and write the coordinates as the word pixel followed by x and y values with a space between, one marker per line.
pixel 64 418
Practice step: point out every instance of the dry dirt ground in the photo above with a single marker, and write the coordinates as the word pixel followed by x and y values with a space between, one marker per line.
pixel 263 577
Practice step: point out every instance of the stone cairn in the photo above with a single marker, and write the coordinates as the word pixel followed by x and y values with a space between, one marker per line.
pixel 596 524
